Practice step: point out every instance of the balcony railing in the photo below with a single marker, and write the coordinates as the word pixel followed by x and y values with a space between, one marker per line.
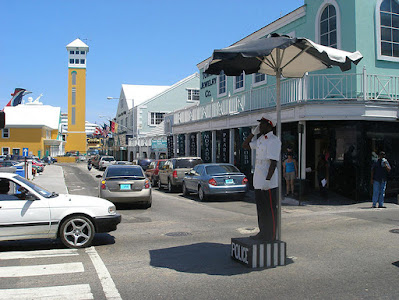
pixel 354 87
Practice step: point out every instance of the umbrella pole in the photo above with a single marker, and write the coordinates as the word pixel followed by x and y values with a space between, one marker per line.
pixel 278 112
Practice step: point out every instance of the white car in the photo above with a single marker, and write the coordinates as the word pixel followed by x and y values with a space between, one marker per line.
pixel 28 211
pixel 105 161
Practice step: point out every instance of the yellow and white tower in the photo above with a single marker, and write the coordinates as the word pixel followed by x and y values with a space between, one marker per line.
pixel 76 138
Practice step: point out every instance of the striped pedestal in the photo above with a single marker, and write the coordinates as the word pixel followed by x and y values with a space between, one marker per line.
pixel 258 254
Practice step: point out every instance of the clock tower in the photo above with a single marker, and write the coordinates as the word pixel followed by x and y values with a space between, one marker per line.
pixel 76 137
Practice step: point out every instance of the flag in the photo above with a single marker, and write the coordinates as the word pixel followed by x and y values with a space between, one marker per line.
pixel 114 127
pixel 17 96
pixel 98 131
pixel 105 130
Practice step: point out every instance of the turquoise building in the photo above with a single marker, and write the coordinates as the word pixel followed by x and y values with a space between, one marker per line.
pixel 346 117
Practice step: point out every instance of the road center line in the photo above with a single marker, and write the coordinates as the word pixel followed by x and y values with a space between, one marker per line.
pixel 107 283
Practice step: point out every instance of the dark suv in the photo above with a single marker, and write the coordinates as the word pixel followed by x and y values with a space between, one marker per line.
pixel 173 171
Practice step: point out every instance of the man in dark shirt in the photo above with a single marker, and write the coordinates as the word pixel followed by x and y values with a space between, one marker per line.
pixel 379 172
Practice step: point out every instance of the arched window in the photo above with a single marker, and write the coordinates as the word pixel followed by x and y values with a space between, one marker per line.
pixel 73 74
pixel 327 25
pixel 387 15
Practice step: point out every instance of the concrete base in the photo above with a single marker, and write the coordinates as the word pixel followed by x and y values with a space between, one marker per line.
pixel 258 254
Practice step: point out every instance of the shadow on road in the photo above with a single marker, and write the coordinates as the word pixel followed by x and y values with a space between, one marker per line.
pixel 207 258
pixel 100 239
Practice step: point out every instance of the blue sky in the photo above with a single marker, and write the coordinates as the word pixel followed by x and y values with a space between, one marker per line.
pixel 131 42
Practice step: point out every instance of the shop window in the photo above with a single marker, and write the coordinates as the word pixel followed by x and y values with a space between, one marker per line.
pixel 73 96
pixel 328 29
pixel 193 95
pixel 73 74
pixel 73 117
pixel 258 79
pixel 387 22
pixel 6 133
pixel 222 84
pixel 156 118
pixel 239 83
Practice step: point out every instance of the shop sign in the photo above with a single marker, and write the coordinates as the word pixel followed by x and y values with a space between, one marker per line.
pixel 159 144
pixel 170 146
pixel 224 145
pixel 193 144
pixel 207 146
pixel 245 155
pixel 181 144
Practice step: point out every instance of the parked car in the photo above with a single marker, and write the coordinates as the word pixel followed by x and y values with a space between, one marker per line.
pixel 105 161
pixel 152 171
pixel 144 163
pixel 173 171
pixel 214 179
pixel 95 160
pixel 125 184
pixel 123 162
pixel 29 211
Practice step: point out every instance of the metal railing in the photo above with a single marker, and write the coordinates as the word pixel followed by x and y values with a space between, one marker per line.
pixel 315 87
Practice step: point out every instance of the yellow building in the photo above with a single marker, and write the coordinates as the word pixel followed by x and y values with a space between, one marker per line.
pixel 32 129
pixel 76 137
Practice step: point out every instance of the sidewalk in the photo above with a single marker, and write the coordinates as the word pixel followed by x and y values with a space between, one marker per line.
pixel 52 179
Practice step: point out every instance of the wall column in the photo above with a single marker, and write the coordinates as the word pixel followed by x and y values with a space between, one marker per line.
pixel 231 146
pixel 213 146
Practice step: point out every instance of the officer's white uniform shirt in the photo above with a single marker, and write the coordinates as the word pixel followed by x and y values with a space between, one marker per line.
pixel 266 149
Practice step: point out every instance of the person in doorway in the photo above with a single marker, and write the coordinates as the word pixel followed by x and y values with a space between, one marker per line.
pixel 265 180
pixel 290 172
pixel 322 175
pixel 379 174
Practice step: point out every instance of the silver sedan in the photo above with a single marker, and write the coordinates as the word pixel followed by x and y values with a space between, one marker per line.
pixel 125 184
pixel 214 179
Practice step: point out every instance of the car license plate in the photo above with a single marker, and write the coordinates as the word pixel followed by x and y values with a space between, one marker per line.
pixel 125 187
pixel 229 181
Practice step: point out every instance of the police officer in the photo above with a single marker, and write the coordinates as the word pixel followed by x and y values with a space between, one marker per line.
pixel 265 181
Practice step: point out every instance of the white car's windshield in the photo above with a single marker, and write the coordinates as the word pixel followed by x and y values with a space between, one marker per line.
pixel 35 187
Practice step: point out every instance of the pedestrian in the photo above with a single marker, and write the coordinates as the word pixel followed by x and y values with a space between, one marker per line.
pixel 89 164
pixel 379 174
pixel 265 180
pixel 322 175
pixel 290 172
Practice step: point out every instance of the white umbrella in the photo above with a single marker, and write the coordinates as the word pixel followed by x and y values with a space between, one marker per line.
pixel 279 55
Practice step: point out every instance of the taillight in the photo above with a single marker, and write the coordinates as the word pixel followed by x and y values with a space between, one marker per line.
pixel 103 186
pixel 147 184
pixel 174 174
pixel 213 182
pixel 245 180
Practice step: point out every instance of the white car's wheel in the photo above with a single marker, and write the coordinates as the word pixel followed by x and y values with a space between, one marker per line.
pixel 77 232
pixel 170 187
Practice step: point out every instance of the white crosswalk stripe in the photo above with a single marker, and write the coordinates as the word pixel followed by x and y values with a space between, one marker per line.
pixel 77 291
pixel 37 254
pixel 39 270
pixel 67 292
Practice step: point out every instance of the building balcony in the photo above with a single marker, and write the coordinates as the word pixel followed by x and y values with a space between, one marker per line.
pixel 314 88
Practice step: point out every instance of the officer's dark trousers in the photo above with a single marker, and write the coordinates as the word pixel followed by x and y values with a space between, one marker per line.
pixel 266 206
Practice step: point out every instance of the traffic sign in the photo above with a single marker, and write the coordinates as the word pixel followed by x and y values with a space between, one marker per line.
pixel 25 151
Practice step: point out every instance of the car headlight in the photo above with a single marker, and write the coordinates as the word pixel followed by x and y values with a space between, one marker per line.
pixel 112 210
